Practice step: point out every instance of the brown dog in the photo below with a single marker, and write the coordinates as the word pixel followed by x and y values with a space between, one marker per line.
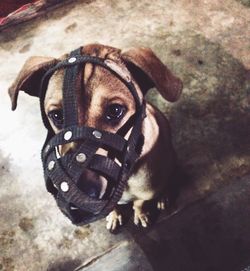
pixel 106 104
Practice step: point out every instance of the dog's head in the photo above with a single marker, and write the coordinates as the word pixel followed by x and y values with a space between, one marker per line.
pixel 104 102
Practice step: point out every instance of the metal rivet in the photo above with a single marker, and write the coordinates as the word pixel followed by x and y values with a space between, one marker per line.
pixel 51 165
pixel 67 135
pixel 73 208
pixel 47 148
pixel 72 59
pixel 64 186
pixel 97 134
pixel 81 157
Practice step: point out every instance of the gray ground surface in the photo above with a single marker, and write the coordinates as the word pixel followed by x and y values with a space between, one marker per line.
pixel 207 44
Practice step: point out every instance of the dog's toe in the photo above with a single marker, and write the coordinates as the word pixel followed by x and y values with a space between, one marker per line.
pixel 114 219
pixel 141 219
pixel 162 203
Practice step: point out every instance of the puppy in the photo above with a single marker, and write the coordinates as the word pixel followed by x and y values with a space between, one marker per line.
pixel 106 104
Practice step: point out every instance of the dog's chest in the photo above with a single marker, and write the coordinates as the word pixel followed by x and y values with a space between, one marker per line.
pixel 139 187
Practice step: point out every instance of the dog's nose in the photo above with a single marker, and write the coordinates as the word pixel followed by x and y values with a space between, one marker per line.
pixel 92 184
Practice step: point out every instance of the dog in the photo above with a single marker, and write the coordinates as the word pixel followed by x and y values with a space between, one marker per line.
pixel 107 105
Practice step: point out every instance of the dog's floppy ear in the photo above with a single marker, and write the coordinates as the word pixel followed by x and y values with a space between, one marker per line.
pixel 149 71
pixel 29 77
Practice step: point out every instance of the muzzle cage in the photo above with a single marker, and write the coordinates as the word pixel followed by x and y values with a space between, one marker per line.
pixel 62 173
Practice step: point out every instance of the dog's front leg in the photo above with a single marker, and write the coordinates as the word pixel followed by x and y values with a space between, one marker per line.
pixel 140 216
pixel 114 219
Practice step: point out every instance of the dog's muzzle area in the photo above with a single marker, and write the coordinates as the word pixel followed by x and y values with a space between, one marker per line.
pixel 90 182
pixel 87 184
pixel 93 184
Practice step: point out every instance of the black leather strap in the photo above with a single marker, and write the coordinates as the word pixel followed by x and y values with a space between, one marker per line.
pixel 113 141
pixel 73 202
pixel 71 82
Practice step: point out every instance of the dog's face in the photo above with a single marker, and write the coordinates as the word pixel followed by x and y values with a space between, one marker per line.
pixel 104 102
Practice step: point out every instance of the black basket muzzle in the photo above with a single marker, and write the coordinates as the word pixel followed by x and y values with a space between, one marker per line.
pixel 62 173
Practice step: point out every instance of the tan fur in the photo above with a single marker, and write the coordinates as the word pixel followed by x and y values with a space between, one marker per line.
pixel 156 164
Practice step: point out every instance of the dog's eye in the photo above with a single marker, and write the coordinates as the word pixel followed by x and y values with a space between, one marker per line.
pixel 57 117
pixel 115 112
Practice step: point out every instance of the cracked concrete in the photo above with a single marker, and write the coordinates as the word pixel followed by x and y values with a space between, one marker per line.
pixel 206 43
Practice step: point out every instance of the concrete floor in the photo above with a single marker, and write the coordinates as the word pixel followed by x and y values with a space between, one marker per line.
pixel 207 44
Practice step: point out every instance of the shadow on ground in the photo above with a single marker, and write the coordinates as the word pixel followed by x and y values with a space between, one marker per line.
pixel 211 131
pixel 210 123
pixel 211 234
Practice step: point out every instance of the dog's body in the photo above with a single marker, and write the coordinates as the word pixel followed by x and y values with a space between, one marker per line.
pixel 102 90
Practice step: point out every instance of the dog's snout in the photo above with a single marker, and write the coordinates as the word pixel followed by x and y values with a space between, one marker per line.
pixel 92 184
pixel 66 148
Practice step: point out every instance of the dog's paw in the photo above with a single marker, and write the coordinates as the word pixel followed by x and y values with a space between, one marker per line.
pixel 162 203
pixel 114 220
pixel 141 218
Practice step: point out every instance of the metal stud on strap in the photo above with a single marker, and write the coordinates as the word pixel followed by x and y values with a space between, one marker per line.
pixel 97 134
pixel 81 157
pixel 64 186
pixel 72 60
pixel 67 135
pixel 51 165
pixel 47 148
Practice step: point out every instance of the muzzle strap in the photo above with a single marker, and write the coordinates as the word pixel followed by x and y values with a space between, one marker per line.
pixel 115 142
pixel 67 188
pixel 72 81
pixel 63 173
